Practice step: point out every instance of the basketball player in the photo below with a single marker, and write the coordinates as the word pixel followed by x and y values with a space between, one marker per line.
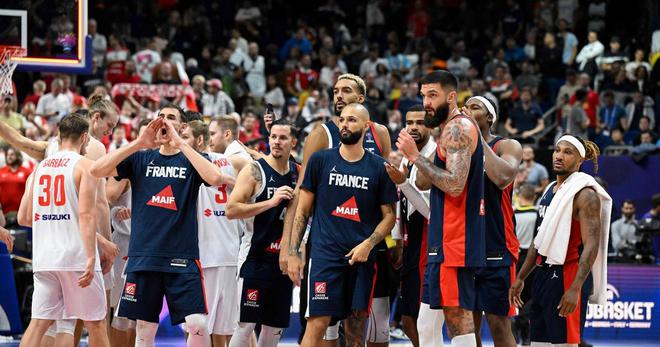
pixel 103 117
pixel 264 190
pixel 163 250
pixel 351 197
pixel 349 89
pixel 219 239
pixel 456 230
pixel 412 218
pixel 68 283
pixel 502 158
pixel 561 289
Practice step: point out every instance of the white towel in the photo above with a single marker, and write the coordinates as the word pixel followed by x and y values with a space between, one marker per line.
pixel 551 240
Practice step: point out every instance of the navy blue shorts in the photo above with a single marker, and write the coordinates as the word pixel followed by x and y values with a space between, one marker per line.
pixel 447 286
pixel 335 288
pixel 143 293
pixel 492 284
pixel 265 295
pixel 411 291
pixel 550 283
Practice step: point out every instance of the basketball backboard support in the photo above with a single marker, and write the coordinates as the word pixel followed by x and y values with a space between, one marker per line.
pixel 54 32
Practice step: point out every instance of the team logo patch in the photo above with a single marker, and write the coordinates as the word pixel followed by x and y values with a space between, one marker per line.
pixel 320 287
pixel 208 212
pixel 320 291
pixel 130 288
pixel 252 298
pixel 348 210
pixel 36 217
pixel 164 199
pixel 129 292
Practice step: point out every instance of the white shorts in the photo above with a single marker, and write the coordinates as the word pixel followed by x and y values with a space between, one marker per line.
pixel 109 280
pixel 58 296
pixel 221 285
pixel 118 266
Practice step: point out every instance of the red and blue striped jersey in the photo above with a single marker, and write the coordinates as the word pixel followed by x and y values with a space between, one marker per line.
pixel 456 233
pixel 502 245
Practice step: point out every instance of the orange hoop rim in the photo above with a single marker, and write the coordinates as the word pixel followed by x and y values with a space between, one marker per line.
pixel 11 51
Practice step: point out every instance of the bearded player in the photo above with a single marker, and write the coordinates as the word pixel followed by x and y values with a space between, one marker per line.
pixel 455 175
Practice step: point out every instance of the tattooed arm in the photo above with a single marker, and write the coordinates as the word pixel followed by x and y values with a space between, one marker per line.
pixel 360 253
pixel 303 212
pixel 459 139
pixel 587 208
pixel 248 183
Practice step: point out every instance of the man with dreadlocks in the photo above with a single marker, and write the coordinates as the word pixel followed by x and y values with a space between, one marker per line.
pixel 570 249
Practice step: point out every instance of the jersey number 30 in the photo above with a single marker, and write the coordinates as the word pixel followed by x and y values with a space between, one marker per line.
pixel 52 189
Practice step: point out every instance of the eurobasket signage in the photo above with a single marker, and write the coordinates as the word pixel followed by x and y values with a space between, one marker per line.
pixel 631 310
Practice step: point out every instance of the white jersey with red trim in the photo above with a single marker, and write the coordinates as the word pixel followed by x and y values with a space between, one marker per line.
pixel 57 243
pixel 219 237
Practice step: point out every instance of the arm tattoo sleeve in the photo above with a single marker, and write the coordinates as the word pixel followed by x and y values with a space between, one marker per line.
pixel 589 215
pixel 299 225
pixel 458 144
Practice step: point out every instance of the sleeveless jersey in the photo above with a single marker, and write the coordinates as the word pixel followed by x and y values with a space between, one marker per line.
pixel 456 234
pixel 165 189
pixel 219 237
pixel 122 226
pixel 502 245
pixel 413 229
pixel 57 243
pixel 370 141
pixel 262 242
pixel 575 239
pixel 348 196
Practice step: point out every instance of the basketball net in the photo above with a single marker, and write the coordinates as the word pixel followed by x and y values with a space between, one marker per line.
pixel 7 66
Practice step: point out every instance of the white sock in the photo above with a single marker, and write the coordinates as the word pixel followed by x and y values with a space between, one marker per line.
pixel 467 340
pixel 242 335
pixel 269 336
pixel 429 326
pixel 540 344
pixel 145 334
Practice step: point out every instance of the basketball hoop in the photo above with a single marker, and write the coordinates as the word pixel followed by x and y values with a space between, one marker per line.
pixel 7 66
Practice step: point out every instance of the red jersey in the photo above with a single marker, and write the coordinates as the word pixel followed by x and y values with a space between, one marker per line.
pixel 12 186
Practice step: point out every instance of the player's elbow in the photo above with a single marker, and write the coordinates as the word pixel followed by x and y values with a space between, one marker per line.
pixel 232 211
pixel 97 170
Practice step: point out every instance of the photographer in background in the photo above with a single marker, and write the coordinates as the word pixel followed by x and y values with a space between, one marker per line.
pixel 623 232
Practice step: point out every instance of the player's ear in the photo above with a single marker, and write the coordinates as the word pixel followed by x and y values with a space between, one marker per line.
pixel 452 97
pixel 360 98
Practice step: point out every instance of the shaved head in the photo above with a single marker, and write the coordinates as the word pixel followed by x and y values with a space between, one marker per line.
pixel 353 122
pixel 357 110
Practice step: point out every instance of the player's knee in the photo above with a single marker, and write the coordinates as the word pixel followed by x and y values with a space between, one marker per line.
pixel 197 324
pixel 66 326
pixel 378 331
pixel 145 333
pixel 499 326
pixel 93 324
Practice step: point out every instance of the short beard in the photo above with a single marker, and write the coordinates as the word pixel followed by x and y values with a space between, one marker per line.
pixel 352 138
pixel 562 172
pixel 421 140
pixel 440 116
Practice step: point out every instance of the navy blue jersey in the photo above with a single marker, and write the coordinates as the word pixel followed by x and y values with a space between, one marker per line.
pixel 575 246
pixel 268 225
pixel 456 233
pixel 370 141
pixel 164 226
pixel 501 242
pixel 348 198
